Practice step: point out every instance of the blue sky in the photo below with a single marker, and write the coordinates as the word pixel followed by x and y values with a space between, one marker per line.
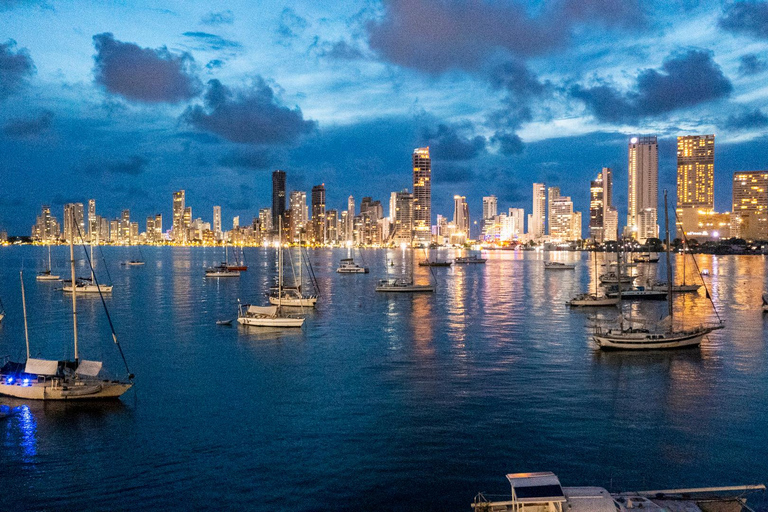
pixel 126 102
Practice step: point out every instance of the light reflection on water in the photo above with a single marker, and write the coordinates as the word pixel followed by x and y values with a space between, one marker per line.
pixel 382 393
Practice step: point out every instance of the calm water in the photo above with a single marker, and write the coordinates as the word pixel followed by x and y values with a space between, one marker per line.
pixel 380 401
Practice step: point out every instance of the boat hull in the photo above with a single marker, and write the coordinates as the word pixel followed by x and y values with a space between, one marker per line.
pixel 411 288
pixel 90 288
pixel 594 303
pixel 358 270
pixel 47 277
pixel 649 341
pixel 270 321
pixel 49 390
pixel 306 302
pixel 222 274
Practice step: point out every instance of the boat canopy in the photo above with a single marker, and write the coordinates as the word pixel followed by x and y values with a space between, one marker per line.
pixel 41 367
pixel 88 368
pixel 541 487
pixel 263 310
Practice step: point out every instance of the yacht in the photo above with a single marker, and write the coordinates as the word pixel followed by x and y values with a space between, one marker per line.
pixel 592 300
pixel 435 263
pixel 221 271
pixel 399 284
pixel 87 284
pixel 614 278
pixel 639 293
pixel 348 266
pixel 265 316
pixel 469 259
pixel 557 265
pixel 542 492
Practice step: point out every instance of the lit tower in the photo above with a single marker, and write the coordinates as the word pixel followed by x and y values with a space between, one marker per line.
pixel 695 178
pixel 422 196
pixel 278 196
pixel 178 215
pixel 643 188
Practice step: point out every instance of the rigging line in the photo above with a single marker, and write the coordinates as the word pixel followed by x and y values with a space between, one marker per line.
pixel 106 267
pixel 103 302
pixel 311 270
pixel 698 270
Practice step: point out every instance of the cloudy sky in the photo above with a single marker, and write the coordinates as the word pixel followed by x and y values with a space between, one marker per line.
pixel 126 102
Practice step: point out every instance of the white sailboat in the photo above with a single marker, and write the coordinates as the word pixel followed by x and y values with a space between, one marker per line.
pixel 291 296
pixel 593 299
pixel 42 379
pixel 662 335
pixel 135 262
pixel 86 285
pixel 269 316
pixel 401 284
pixel 47 274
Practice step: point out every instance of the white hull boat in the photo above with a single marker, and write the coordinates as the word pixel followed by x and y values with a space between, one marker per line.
pixel 678 288
pixel 642 339
pixel 221 271
pixel 613 278
pixel 592 300
pixel 556 265
pixel 88 288
pixel 47 276
pixel 291 300
pixel 348 266
pixel 265 316
pixel 469 259
pixel 402 285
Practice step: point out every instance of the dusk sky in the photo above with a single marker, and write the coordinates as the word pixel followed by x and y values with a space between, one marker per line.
pixel 126 102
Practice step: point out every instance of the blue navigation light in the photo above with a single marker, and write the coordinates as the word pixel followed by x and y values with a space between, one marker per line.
pixel 26 382
pixel 9 380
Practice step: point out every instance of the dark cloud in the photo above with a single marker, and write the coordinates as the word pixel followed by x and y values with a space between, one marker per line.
pixel 446 143
pixel 751 64
pixel 29 127
pixel 450 173
pixel 340 50
pixel 247 160
pixel 747 120
pixel 144 74
pixel 436 36
pixel 250 116
pixel 517 79
pixel 208 41
pixel 509 143
pixel 685 79
pixel 131 166
pixel 215 64
pixel 15 68
pixel 750 18
pixel 218 18
pixel 291 25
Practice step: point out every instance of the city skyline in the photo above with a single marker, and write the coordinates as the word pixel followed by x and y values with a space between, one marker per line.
pixel 232 92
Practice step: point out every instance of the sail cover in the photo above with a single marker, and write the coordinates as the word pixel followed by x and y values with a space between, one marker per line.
pixel 88 368
pixel 41 367
pixel 262 310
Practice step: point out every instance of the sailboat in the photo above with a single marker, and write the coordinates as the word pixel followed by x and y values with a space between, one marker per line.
pixel 401 284
pixel 268 316
pixel 239 265
pixel 663 335
pixel 47 274
pixel 77 379
pixel 593 299
pixel 678 288
pixel 87 285
pixel 426 262
pixel 222 270
pixel 291 295
pixel 135 262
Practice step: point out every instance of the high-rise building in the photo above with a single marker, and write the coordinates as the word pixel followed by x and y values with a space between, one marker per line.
pixel 46 229
pixel 318 213
pixel 278 196
pixel 611 224
pixel 402 227
pixel 125 227
pixel 461 215
pixel 158 236
pixel 561 218
pixel 299 214
pixel 490 210
pixel 93 226
pixel 177 229
pixel 74 222
pixel 538 217
pixel 695 180
pixel 422 196
pixel 643 188
pixel 217 233
pixel 750 205
pixel 599 202
pixel 332 226
pixel 350 219
pixel 553 193
pixel 392 206
pixel 265 221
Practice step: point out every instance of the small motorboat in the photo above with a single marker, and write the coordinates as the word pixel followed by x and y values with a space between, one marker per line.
pixel 557 265
pixel 348 266
pixel 470 259
pixel 435 263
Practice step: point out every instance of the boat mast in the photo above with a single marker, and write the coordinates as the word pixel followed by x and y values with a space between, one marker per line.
pixel 24 306
pixel 74 285
pixel 49 260
pixel 93 280
pixel 669 266
pixel 280 262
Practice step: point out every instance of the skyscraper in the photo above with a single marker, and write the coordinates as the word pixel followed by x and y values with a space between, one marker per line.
pixel 750 204
pixel 461 215
pixel 177 231
pixel 318 213
pixel 553 193
pixel 490 210
pixel 74 222
pixel 217 234
pixel 599 203
pixel 695 179
pixel 538 217
pixel 299 213
pixel 422 196
pixel 643 188
pixel 278 196
pixel 93 225
pixel 561 218
pixel 402 227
